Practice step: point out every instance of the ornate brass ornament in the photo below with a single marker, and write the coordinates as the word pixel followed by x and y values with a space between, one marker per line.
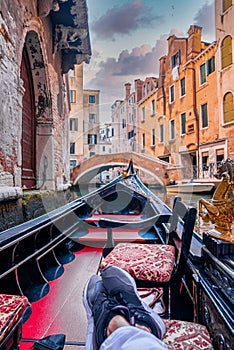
pixel 220 209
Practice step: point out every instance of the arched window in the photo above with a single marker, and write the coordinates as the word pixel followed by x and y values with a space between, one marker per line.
pixel 228 108
pixel 226 4
pixel 226 50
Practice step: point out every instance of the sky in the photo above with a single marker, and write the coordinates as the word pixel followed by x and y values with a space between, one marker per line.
pixel 129 36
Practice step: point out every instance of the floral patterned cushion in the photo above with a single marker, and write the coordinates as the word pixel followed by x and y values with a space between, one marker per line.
pixel 182 335
pixel 151 262
pixel 11 309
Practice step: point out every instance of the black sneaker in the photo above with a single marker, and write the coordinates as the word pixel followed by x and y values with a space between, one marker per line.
pixel 121 284
pixel 100 308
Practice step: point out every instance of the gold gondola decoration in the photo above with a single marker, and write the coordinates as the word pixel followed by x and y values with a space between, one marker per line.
pixel 219 210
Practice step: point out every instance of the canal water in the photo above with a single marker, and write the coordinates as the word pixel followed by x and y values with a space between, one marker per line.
pixel 191 200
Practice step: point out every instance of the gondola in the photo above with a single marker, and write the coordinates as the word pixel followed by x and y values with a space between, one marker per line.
pixel 46 262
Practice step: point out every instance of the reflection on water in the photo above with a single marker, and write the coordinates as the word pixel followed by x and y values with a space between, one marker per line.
pixel 191 200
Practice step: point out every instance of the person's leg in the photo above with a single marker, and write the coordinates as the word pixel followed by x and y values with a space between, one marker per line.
pixel 100 309
pixel 119 321
pixel 132 338
pixel 122 286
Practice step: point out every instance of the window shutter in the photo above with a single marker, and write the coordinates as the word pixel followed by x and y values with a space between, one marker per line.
pixel 179 57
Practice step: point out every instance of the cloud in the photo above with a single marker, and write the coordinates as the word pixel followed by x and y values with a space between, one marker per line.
pixel 205 18
pixel 109 76
pixel 124 20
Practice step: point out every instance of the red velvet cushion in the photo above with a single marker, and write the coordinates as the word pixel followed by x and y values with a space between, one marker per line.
pixel 151 262
pixel 182 335
pixel 11 309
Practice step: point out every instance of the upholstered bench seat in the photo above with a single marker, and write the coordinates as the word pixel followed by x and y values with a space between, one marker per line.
pixel 182 335
pixel 146 262
pixel 11 310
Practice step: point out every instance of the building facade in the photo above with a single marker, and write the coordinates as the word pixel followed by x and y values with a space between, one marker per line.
pixel 187 119
pixel 40 41
pixel 125 114
pixel 224 17
pixel 76 117
pixel 91 126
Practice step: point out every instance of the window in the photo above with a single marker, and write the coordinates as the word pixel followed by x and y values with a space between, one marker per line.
pixel 226 4
pixel 143 141
pixel 172 93
pixel 175 60
pixel 130 134
pixel 72 148
pixel 204 115
pixel 73 124
pixel 72 94
pixel 103 148
pixel 210 65
pixel 153 107
pixel 92 118
pixel 183 123
pixel 92 139
pixel 182 87
pixel 153 137
pixel 205 159
pixel 112 132
pixel 228 108
pixel 91 99
pixel 226 52
pixel 172 129
pixel 123 123
pixel 161 133
pixel 148 86
pixel 219 156
pixel 143 114
pixel 203 73
pixel 72 163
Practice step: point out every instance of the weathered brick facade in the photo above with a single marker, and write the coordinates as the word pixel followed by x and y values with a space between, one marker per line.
pixel 33 32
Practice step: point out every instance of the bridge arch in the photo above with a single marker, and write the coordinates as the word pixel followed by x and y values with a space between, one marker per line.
pixel 152 169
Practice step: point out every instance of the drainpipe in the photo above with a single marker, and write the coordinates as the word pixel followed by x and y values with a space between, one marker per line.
pixel 196 117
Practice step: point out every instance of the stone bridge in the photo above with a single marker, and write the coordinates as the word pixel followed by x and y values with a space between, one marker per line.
pixel 151 170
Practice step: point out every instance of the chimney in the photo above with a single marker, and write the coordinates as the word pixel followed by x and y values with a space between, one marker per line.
pixel 127 90
pixel 194 41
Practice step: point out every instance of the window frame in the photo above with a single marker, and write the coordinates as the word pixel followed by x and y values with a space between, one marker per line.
pixel 228 108
pixel 210 65
pixel 153 137
pixel 202 73
pixel 226 4
pixel 153 105
pixel 143 114
pixel 73 124
pixel 72 148
pixel 92 99
pixel 204 117
pixel 90 119
pixel 92 139
pixel 175 59
pixel 172 93
pixel 161 133
pixel 183 123
pixel 143 141
pixel 182 87
pixel 172 129
pixel 72 96
pixel 226 52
